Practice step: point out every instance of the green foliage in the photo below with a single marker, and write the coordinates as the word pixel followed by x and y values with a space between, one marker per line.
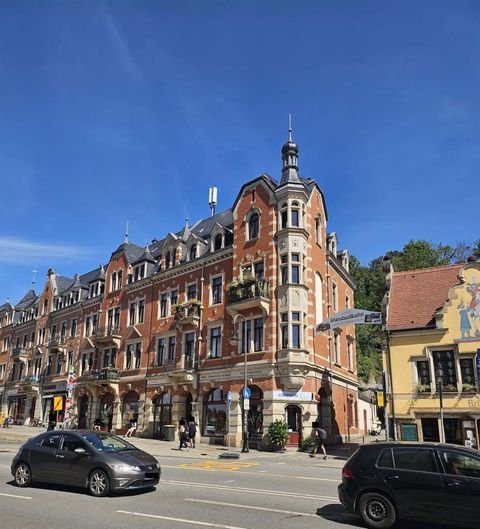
pixel 307 444
pixel 422 254
pixel 277 433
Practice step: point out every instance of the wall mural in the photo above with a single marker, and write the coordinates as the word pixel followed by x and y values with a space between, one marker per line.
pixel 469 310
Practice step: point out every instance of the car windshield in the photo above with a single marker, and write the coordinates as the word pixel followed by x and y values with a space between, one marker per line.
pixel 105 442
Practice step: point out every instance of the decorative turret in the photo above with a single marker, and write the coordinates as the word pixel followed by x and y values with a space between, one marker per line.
pixel 289 158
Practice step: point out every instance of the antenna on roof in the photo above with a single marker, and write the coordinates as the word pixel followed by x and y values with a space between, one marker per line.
pixel 212 199
pixel 126 233
pixel 33 277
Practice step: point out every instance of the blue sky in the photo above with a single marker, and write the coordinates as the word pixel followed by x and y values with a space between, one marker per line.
pixel 131 109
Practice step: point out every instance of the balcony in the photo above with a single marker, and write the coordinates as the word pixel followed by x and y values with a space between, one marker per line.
pixel 249 293
pixel 19 353
pixel 182 372
pixel 111 374
pixel 31 381
pixel 56 344
pixel 109 335
pixel 188 312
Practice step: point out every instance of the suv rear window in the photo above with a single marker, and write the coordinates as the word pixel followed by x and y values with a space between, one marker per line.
pixel 412 458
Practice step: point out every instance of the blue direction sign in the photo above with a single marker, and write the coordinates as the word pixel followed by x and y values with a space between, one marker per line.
pixel 247 393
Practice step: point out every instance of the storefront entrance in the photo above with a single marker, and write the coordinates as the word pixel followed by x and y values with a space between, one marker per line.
pixel 83 412
pixel 162 414
pixel 293 417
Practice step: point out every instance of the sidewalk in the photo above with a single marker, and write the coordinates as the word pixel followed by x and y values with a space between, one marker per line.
pixel 161 449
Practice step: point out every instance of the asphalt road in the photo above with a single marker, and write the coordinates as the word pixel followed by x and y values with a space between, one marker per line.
pixel 200 493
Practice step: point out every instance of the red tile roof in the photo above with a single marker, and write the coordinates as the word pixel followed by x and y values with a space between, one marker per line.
pixel 416 295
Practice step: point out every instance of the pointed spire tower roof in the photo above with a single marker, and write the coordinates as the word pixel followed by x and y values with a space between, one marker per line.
pixel 290 158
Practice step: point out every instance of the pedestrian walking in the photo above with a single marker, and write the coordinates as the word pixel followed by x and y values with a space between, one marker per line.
pixel 319 435
pixel 182 434
pixel 192 431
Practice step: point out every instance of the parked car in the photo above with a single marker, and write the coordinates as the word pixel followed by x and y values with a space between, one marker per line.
pixel 99 461
pixel 385 482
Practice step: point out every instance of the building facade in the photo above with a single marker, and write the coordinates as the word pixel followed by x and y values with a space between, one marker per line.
pixel 432 353
pixel 174 329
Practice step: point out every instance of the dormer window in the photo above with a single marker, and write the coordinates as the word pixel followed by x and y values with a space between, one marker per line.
pixel 193 252
pixel 217 245
pixel 253 226
pixel 139 272
pixel 168 261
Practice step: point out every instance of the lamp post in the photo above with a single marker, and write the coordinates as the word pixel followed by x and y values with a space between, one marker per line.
pixel 440 394
pixel 234 340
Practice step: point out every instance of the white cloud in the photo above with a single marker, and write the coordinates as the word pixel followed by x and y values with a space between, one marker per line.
pixel 20 251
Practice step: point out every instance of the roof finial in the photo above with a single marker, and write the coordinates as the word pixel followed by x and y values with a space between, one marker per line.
pixel 186 222
pixel 290 127
pixel 126 233
pixel 33 277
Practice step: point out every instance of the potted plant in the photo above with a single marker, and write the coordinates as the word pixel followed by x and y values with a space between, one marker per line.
pixel 277 434
pixel 469 388
pixel 423 388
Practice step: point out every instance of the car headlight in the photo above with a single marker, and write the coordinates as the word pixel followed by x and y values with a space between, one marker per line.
pixel 125 468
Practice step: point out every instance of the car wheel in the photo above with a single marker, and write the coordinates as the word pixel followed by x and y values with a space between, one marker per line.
pixel 377 511
pixel 23 475
pixel 98 483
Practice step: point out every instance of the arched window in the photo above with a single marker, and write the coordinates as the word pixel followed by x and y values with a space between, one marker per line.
pixel 193 252
pixel 318 298
pixel 215 413
pixel 253 226
pixel 218 242
pixel 162 414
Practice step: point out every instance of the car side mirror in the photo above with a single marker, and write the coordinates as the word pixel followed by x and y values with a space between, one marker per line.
pixel 80 450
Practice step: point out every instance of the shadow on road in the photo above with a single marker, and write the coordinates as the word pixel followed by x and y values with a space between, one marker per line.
pixel 337 513
pixel 78 490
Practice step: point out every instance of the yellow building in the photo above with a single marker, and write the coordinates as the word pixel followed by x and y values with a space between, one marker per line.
pixel 432 355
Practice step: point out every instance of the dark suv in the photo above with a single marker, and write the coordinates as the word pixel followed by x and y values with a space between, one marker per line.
pixel 433 482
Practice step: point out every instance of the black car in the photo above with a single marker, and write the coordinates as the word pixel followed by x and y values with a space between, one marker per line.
pixel 385 482
pixel 99 461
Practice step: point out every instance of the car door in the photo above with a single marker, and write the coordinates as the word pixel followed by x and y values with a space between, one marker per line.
pixel 411 476
pixel 461 478
pixel 72 467
pixel 42 458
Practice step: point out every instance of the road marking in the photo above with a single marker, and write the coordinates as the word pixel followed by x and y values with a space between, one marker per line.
pixel 254 491
pixel 15 496
pixel 182 520
pixel 5 466
pixel 251 507
pixel 275 475
pixel 218 465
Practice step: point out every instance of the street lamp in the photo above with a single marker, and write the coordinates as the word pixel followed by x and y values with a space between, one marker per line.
pixel 234 340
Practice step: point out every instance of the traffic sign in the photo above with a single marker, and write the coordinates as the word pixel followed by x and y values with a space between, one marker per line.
pixel 247 392
pixel 246 404
pixel 57 403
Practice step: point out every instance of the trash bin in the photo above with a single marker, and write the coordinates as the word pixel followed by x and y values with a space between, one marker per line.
pixel 169 432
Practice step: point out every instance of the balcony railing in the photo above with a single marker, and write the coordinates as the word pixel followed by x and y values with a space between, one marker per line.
pixel 56 344
pixel 32 380
pixel 19 352
pixel 110 332
pixel 188 312
pixel 248 290
pixel 106 373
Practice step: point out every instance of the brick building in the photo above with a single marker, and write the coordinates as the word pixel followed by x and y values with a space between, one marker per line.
pixel 163 332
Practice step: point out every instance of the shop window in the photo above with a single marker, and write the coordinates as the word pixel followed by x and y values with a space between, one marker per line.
pixel 215 413
pixel 444 368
